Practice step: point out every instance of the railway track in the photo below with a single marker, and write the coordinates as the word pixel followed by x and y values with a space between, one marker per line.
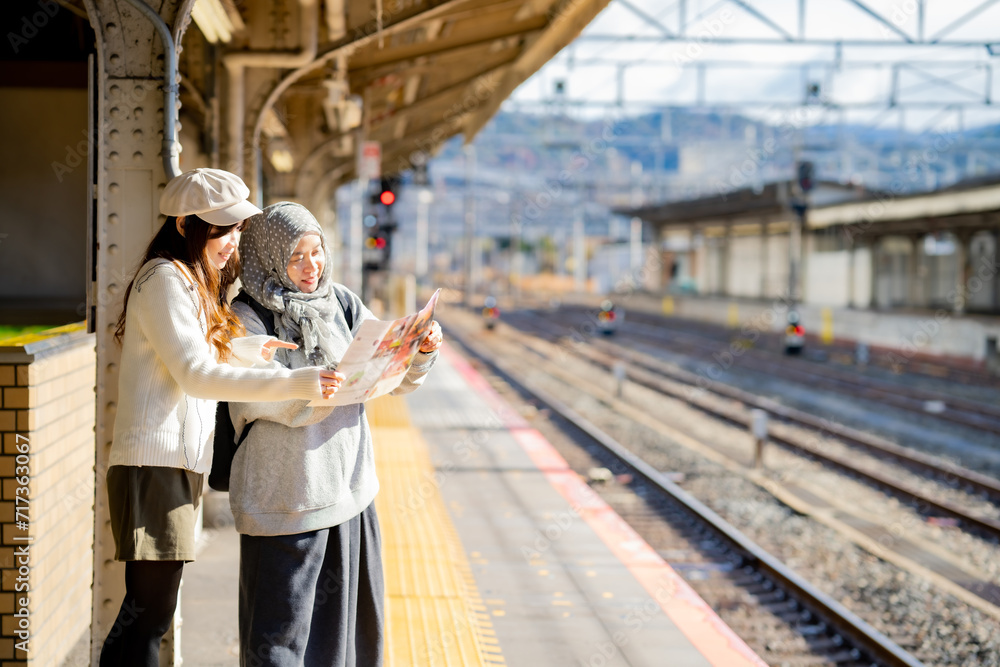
pixel 921 368
pixel 793 622
pixel 956 410
pixel 651 373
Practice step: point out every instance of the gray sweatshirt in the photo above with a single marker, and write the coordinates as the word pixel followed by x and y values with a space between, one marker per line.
pixel 303 468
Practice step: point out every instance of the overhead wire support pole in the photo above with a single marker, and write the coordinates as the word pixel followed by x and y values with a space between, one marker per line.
pixel 355 249
pixel 621 85
pixel 470 223
pixel 921 18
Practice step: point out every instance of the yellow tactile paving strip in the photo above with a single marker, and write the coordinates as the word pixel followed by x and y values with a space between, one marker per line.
pixel 434 614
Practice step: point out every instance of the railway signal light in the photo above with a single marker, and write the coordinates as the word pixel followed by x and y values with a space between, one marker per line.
pixel 385 196
pixel 806 172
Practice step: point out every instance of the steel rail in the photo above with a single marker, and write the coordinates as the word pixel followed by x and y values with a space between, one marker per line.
pixel 647 375
pixel 886 391
pixel 847 623
pixel 867 441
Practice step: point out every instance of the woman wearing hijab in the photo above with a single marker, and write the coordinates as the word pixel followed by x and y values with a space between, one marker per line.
pixel 303 482
pixel 177 333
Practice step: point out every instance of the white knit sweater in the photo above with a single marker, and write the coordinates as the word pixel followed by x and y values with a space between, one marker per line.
pixel 171 379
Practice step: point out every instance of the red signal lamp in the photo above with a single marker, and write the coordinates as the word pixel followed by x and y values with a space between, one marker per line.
pixel 387 197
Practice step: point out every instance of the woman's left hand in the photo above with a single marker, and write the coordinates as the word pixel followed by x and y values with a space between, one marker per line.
pixel 433 339
pixel 268 349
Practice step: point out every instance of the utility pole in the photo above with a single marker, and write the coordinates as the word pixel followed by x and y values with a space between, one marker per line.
pixel 514 230
pixel 579 251
pixel 424 199
pixel 635 228
pixel 800 205
pixel 355 247
pixel 470 223
pixel 635 247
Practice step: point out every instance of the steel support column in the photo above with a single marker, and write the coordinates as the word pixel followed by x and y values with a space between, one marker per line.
pixel 129 176
pixel 913 272
pixel 724 262
pixel 764 243
pixel 873 288
pixel 962 273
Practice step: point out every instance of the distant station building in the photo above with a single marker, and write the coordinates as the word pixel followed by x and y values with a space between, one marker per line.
pixel 874 262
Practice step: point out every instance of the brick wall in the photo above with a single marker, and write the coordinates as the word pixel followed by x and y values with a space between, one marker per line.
pixel 47 422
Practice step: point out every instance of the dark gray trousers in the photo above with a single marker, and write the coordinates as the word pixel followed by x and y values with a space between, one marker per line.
pixel 314 599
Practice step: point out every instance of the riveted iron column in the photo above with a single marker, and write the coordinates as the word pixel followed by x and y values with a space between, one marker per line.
pixel 129 119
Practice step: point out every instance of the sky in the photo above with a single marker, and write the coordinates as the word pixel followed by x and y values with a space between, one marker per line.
pixel 765 80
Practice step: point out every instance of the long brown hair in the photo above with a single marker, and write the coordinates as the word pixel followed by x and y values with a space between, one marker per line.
pixel 212 283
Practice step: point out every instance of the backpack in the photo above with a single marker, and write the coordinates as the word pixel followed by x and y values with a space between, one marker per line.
pixel 225 443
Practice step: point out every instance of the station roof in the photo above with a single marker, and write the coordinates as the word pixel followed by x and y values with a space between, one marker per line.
pixel 965 206
pixel 421 71
pixel 769 200
pixel 969 205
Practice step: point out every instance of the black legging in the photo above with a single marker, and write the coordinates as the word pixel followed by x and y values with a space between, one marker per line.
pixel 145 616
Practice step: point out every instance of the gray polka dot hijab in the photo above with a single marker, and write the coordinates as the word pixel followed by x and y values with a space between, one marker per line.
pixel 265 248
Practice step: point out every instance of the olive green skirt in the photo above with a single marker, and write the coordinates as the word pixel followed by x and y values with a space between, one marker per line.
pixel 153 512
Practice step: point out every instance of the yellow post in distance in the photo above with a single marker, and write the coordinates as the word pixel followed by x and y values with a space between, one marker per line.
pixel 826 332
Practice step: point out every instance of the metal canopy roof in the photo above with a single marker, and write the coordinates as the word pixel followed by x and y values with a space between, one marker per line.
pixel 423 71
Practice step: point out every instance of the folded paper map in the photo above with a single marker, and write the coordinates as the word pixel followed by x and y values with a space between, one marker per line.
pixel 380 355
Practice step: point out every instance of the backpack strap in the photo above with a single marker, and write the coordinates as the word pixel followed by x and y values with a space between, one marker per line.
pixel 265 315
pixel 225 442
pixel 346 307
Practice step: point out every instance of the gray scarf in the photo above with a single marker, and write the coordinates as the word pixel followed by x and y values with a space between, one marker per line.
pixel 265 248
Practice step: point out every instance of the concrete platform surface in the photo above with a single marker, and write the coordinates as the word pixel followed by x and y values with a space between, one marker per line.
pixel 495 552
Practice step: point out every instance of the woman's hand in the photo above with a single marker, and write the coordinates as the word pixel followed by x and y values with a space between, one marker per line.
pixel 433 339
pixel 268 349
pixel 330 381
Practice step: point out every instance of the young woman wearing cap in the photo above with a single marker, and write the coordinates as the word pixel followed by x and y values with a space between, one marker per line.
pixel 303 482
pixel 176 332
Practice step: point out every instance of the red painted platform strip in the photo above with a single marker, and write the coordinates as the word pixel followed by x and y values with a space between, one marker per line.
pixel 700 624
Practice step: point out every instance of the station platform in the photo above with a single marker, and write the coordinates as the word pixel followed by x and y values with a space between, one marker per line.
pixel 495 552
